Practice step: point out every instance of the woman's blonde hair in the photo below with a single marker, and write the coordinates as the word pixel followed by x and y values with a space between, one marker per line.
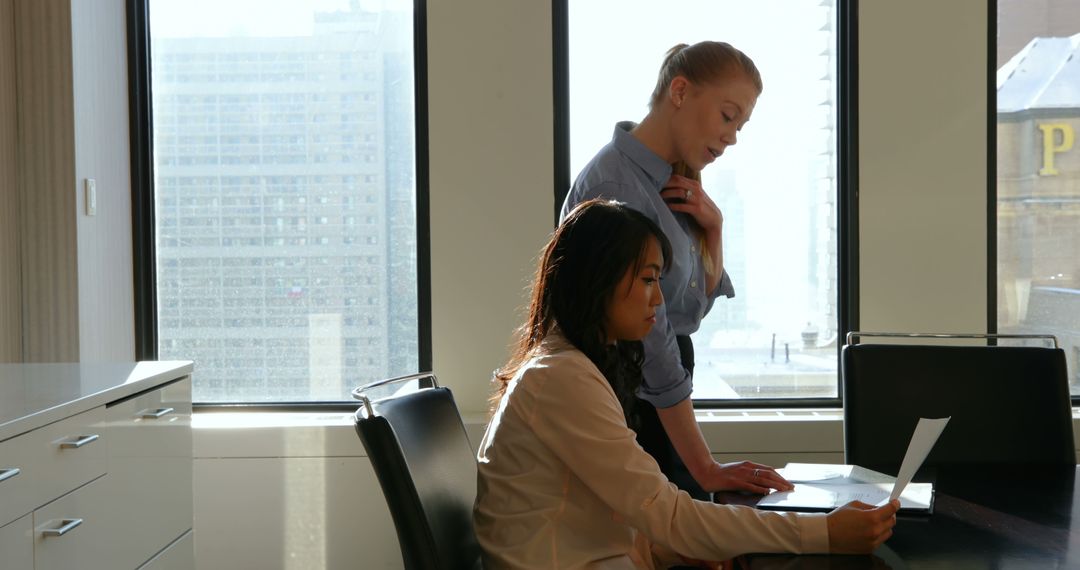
pixel 703 62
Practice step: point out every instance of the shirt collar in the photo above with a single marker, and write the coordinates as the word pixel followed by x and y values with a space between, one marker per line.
pixel 655 167
pixel 555 341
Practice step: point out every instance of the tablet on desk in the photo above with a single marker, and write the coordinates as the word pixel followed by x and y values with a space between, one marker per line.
pixel 824 496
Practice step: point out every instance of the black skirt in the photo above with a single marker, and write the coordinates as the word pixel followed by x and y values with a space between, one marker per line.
pixel 652 437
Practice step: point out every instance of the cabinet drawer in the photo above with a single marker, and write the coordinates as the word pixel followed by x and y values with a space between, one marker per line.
pixel 52 460
pixel 17 495
pixel 150 467
pixel 17 544
pixel 180 555
pixel 156 424
pixel 82 518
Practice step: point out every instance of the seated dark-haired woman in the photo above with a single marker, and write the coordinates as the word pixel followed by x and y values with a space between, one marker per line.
pixel 562 480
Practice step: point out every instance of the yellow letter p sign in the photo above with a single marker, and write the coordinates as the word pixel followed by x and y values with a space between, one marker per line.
pixel 1051 147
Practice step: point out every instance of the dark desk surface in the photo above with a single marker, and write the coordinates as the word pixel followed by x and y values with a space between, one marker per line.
pixel 983 518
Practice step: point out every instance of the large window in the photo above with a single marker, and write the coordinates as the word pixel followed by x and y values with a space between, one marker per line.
pixel 285 195
pixel 1038 173
pixel 778 337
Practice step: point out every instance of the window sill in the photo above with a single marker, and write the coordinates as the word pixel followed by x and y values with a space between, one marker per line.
pixel 750 433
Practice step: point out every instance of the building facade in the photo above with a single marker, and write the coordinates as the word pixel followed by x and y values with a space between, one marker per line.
pixel 1038 194
pixel 286 208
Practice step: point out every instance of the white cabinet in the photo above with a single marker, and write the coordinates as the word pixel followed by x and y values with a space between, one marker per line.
pixel 17 544
pixel 180 555
pixel 18 496
pixel 100 483
pixel 51 461
pixel 74 531
pixel 150 471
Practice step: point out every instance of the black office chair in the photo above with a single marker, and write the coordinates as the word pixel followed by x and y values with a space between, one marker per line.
pixel 1010 405
pixel 426 468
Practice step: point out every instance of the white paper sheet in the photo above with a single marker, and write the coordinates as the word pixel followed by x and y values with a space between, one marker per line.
pixel 833 474
pixel 922 441
pixel 828 495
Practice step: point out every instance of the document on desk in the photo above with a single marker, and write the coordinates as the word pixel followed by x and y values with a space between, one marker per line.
pixel 823 487
pixel 826 496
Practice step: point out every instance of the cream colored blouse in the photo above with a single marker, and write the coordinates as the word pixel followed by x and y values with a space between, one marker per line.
pixel 564 484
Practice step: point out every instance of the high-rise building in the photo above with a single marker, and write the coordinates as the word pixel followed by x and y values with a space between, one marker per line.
pixel 285 208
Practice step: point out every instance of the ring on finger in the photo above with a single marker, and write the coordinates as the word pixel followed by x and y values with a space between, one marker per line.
pixel 689 193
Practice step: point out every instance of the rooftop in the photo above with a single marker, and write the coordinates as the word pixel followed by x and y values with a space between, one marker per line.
pixel 1045 75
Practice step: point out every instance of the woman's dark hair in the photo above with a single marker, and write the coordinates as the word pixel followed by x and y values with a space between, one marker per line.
pixel 580 268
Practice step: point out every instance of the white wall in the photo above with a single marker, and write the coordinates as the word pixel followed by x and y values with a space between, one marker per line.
pixel 922 152
pixel 489 81
pixel 102 152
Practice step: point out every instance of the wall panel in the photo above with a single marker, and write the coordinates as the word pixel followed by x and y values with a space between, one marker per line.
pixel 46 161
pixel 10 302
pixel 491 179
pixel 923 161
pixel 106 307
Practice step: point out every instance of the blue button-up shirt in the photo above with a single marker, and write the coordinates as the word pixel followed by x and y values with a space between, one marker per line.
pixel 627 171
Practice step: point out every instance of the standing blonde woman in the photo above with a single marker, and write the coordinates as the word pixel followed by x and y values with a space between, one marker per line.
pixel 704 96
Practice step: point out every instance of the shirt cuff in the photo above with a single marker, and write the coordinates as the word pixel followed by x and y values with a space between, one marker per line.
pixel 814 532
pixel 725 287
pixel 668 397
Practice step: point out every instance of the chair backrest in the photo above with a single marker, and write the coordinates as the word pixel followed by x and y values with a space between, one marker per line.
pixel 1009 404
pixel 427 470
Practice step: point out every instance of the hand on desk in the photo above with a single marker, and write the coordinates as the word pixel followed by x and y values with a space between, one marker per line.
pixel 743 476
pixel 859 528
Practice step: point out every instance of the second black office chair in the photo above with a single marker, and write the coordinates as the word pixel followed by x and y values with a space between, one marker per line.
pixel 427 470
pixel 1010 405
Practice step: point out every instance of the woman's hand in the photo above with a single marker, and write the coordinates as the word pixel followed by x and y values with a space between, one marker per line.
pixel 686 195
pixel 743 476
pixel 859 528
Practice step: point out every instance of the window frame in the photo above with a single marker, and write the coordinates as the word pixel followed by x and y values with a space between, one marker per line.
pixel 991 170
pixel 144 253
pixel 847 128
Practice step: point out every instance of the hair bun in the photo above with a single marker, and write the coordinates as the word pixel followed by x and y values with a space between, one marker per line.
pixel 674 50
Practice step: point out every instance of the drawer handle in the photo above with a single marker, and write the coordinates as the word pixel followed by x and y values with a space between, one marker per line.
pixel 66 525
pixel 83 440
pixel 6 474
pixel 155 414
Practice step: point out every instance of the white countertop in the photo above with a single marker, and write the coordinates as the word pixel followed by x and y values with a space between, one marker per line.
pixel 34 395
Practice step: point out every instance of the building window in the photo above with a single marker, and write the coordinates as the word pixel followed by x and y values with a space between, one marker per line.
pixel 777 188
pixel 246 119
pixel 1038 173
